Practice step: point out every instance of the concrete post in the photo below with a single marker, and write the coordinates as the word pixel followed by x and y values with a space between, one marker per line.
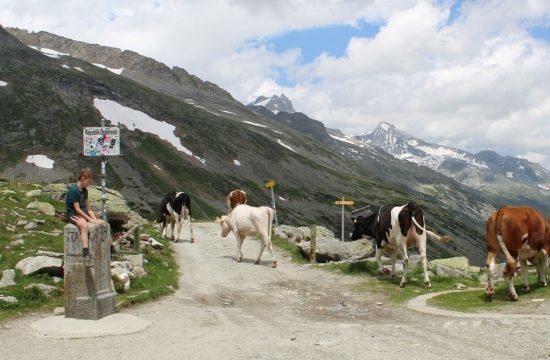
pixel 88 291
pixel 312 243
pixel 137 241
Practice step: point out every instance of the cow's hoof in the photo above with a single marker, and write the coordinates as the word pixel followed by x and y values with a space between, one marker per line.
pixel 192 241
pixel 402 285
pixel 525 288
pixel 385 271
pixel 514 297
pixel 239 259
pixel 274 264
pixel 427 285
pixel 542 284
pixel 257 262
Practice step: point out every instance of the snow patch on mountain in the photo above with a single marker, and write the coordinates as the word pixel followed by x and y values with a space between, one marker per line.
pixel 134 119
pixel 116 71
pixel 42 161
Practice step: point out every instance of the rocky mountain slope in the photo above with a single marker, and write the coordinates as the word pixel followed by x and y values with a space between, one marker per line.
pixel 510 180
pixel 170 141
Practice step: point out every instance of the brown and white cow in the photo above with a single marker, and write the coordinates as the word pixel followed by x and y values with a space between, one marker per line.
pixel 396 228
pixel 234 198
pixel 246 221
pixel 520 233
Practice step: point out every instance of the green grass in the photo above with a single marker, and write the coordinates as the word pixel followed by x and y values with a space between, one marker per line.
pixel 161 265
pixel 475 300
pixel 291 249
pixel 162 270
pixel 375 282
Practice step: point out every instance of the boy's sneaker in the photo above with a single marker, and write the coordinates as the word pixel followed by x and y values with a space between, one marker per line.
pixel 89 261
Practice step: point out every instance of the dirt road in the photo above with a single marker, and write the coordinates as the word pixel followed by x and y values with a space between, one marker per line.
pixel 230 310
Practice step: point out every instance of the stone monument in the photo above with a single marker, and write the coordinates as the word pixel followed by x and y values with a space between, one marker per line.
pixel 89 293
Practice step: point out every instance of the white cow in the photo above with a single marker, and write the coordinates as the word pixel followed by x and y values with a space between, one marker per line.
pixel 245 221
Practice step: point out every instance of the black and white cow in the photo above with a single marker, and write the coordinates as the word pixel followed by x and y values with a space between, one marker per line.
pixel 395 229
pixel 175 208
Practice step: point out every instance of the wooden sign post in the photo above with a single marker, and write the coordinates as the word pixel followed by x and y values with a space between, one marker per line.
pixel 343 202
pixel 271 184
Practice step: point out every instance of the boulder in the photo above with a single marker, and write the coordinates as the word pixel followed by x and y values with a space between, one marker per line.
pixel 120 273
pixel 118 211
pixel 44 207
pixel 7 192
pixel 135 260
pixel 17 242
pixel 39 265
pixel 44 289
pixel 154 244
pixel 30 226
pixel 59 311
pixel 50 254
pixel 474 270
pixel 330 249
pixel 456 266
pixel 9 300
pixel 447 271
pixel 22 223
pixel 291 234
pixel 8 278
pixel 138 272
pixel 33 193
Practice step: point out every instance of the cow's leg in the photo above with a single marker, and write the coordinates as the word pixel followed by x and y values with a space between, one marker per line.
pixel 393 261
pixel 542 268
pixel 262 247
pixel 240 240
pixel 163 226
pixel 490 265
pixel 378 257
pixel 524 274
pixel 172 227
pixel 181 219
pixel 424 262
pixel 190 225
pixel 405 260
pixel 266 242
pixel 509 277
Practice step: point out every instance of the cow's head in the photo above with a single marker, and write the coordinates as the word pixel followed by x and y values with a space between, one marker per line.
pixel 224 224
pixel 363 226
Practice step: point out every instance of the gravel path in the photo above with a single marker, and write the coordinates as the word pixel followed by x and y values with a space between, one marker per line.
pixel 230 310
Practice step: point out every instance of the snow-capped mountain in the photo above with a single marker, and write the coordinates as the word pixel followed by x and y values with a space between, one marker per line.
pixel 407 147
pixel 475 170
pixel 275 103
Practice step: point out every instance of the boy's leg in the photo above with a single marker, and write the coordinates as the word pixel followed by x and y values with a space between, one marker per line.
pixel 84 243
pixel 83 227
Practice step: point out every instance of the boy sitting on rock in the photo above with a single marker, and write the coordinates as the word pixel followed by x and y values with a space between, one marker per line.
pixel 79 211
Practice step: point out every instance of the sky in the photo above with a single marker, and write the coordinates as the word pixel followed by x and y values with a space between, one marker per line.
pixel 469 74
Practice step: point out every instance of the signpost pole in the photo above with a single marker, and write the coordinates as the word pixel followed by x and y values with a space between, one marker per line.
pixel 343 207
pixel 274 206
pixel 103 182
pixel 343 202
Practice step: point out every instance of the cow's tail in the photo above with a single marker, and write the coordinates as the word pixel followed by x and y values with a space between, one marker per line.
pixel 438 238
pixel 511 264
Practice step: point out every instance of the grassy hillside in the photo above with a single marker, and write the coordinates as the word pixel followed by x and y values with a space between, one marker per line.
pixel 17 243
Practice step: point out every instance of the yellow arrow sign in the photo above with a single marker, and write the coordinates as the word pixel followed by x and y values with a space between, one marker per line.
pixel 269 184
pixel 344 202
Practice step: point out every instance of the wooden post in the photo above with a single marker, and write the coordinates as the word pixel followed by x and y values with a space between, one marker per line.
pixel 137 241
pixel 312 243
